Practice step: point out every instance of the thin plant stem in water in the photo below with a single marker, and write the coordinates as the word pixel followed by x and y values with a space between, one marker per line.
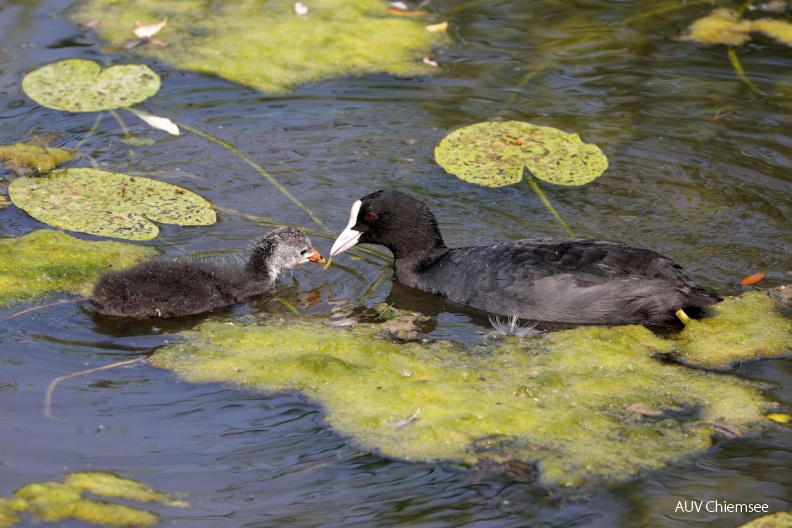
pixel 258 169
pixel 93 129
pixel 546 202
pixel 287 304
pixel 121 123
pixel 34 308
pixel 664 10
pixel 54 384
pixel 371 289
pixel 735 62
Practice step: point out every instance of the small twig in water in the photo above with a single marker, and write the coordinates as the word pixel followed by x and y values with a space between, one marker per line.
pixel 34 308
pixel 405 421
pixel 54 384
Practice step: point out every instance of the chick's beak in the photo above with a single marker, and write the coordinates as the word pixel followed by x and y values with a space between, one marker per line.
pixel 316 257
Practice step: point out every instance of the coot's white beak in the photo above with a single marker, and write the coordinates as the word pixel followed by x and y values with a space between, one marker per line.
pixel 348 237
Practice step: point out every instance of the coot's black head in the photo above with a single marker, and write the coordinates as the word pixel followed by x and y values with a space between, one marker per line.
pixel 283 248
pixel 392 219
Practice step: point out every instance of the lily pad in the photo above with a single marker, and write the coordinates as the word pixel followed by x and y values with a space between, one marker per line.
pixel 26 158
pixel 51 261
pixel 53 502
pixel 495 154
pixel 77 85
pixel 564 400
pixel 744 328
pixel 265 44
pixel 108 203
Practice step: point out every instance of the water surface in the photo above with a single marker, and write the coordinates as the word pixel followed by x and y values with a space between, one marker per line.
pixel 699 170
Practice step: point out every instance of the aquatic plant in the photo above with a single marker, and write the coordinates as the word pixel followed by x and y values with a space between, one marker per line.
pixel 76 498
pixel 27 158
pixel 498 153
pixel 589 406
pixel 267 45
pixel 48 261
pixel 108 203
pixel 77 85
pixel 82 86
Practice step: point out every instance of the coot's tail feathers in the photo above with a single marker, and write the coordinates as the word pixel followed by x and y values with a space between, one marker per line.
pixel 699 298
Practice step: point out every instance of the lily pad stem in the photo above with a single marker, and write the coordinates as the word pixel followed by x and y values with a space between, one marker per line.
pixel 93 129
pixel 374 285
pixel 666 10
pixel 546 202
pixel 287 304
pixel 258 169
pixel 735 62
pixel 121 123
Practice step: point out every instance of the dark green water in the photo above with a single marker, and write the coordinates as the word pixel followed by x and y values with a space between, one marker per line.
pixel 699 170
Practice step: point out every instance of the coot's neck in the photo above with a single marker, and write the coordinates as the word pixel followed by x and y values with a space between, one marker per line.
pixel 416 246
pixel 260 266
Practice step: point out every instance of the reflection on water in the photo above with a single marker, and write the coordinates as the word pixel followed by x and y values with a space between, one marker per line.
pixel 699 170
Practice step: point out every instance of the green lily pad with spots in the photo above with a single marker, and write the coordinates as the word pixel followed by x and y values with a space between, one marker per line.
pixel 495 154
pixel 109 204
pixel 77 85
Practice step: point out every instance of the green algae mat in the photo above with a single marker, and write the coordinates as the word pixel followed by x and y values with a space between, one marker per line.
pixel 48 261
pixel 78 498
pixel 590 406
pixel 267 45
pixel 27 158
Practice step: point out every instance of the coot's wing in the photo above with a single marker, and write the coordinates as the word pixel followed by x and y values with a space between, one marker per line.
pixel 562 280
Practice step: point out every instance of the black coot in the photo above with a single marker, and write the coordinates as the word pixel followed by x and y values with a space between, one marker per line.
pixel 550 279
pixel 174 288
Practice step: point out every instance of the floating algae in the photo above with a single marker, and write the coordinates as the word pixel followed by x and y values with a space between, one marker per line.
pixel 265 45
pixel 741 329
pixel 591 406
pixel 51 261
pixel 27 158
pixel 52 501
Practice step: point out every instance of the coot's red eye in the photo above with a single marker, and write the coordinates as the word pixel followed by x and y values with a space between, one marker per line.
pixel 370 217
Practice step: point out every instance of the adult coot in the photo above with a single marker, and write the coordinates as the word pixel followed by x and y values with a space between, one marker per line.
pixel 161 288
pixel 549 279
